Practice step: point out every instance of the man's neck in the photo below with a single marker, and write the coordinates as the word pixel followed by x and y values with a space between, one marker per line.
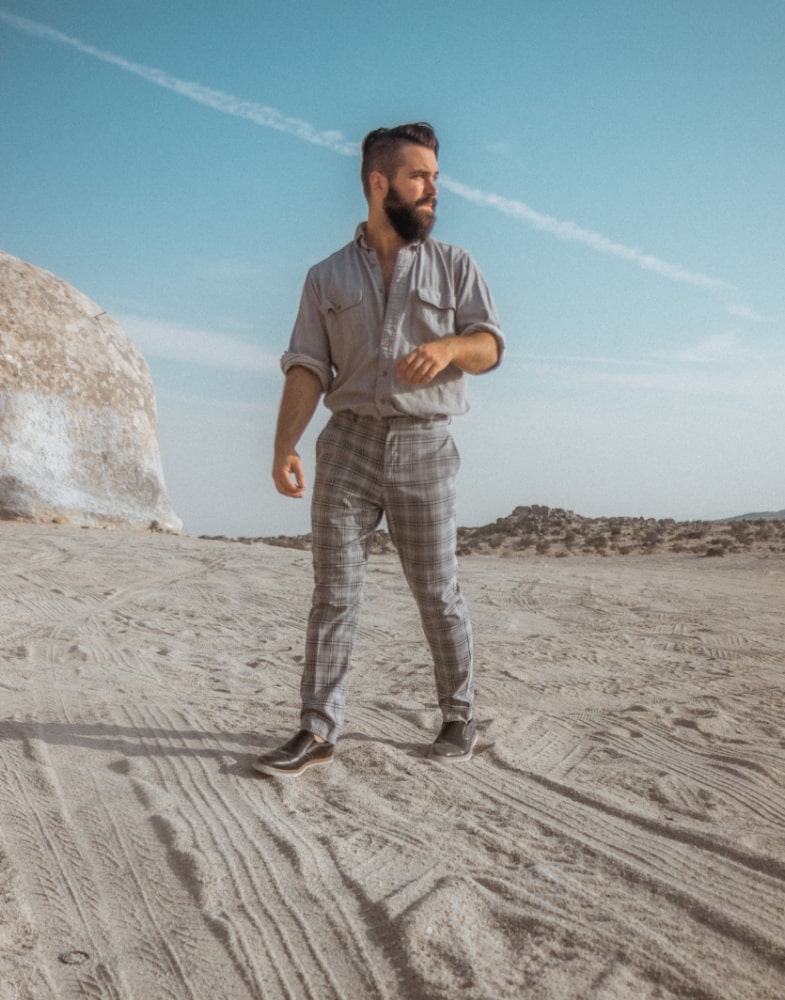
pixel 383 239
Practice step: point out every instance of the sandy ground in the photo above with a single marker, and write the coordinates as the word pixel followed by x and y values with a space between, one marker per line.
pixel 619 834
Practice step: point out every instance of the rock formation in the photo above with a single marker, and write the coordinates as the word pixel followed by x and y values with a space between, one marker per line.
pixel 78 422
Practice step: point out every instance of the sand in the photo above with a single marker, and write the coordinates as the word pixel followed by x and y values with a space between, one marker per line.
pixel 619 834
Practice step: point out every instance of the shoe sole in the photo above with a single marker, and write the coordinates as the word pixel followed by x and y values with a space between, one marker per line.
pixel 277 772
pixel 454 759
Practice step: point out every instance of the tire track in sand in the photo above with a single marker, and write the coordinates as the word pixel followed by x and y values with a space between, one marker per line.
pixel 535 830
pixel 239 864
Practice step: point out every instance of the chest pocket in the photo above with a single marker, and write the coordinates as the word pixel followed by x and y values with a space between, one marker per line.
pixel 344 319
pixel 436 312
pixel 342 308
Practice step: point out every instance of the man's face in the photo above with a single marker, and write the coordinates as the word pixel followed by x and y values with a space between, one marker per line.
pixel 410 202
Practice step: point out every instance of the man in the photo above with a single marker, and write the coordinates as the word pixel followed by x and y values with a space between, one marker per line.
pixel 388 328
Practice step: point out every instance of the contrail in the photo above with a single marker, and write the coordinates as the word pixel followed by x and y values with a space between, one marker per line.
pixel 259 114
pixel 269 117
pixel 571 231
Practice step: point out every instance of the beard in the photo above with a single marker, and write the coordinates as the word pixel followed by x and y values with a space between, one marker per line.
pixel 408 218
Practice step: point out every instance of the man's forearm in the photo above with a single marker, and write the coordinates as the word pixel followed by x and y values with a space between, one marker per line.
pixel 472 353
pixel 476 352
pixel 301 394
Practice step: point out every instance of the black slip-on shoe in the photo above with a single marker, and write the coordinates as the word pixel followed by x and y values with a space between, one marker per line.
pixel 301 751
pixel 455 741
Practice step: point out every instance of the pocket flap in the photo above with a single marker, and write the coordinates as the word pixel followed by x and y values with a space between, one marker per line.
pixel 436 296
pixel 338 299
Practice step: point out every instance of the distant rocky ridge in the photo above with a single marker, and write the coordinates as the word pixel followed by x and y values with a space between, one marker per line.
pixel 771 515
pixel 78 422
pixel 545 531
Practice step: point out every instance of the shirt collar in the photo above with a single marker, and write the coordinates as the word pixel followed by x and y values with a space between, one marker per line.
pixel 362 243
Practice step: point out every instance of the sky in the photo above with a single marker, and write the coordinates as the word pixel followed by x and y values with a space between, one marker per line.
pixel 615 168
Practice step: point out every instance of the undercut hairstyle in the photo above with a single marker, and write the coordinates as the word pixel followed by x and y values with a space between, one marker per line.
pixel 381 148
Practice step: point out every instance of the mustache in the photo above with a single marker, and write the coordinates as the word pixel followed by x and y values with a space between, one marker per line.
pixel 426 201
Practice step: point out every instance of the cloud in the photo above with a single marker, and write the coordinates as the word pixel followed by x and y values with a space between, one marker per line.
pixel 197 347
pixel 722 348
pixel 691 383
pixel 717 366
pixel 269 117
pixel 743 312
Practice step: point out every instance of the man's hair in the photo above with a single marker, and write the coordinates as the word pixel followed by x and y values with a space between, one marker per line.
pixel 381 148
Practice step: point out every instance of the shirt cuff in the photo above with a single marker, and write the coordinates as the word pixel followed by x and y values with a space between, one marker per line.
pixel 291 360
pixel 495 332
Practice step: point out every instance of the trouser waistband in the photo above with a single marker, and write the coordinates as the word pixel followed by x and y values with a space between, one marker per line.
pixel 350 417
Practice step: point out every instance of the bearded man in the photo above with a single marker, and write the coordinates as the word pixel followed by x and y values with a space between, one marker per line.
pixel 388 329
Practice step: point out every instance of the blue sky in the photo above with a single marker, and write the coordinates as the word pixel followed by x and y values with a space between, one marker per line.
pixel 615 168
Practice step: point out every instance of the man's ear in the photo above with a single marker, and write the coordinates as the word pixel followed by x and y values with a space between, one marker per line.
pixel 379 184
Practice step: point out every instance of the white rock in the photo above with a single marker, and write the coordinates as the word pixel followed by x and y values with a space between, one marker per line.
pixel 78 422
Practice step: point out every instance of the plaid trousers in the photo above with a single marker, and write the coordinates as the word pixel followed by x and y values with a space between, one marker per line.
pixel 405 468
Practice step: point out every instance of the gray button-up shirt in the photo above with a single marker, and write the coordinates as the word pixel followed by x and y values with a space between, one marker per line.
pixel 352 338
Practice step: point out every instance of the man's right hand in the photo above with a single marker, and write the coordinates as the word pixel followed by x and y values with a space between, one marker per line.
pixel 289 475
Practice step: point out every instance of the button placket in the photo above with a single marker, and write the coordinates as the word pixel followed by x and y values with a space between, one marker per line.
pixel 393 315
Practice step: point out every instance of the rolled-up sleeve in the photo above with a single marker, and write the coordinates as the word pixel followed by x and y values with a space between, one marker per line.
pixel 309 346
pixel 475 310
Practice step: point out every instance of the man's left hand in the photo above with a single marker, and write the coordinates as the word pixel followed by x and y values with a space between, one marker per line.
pixel 425 362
